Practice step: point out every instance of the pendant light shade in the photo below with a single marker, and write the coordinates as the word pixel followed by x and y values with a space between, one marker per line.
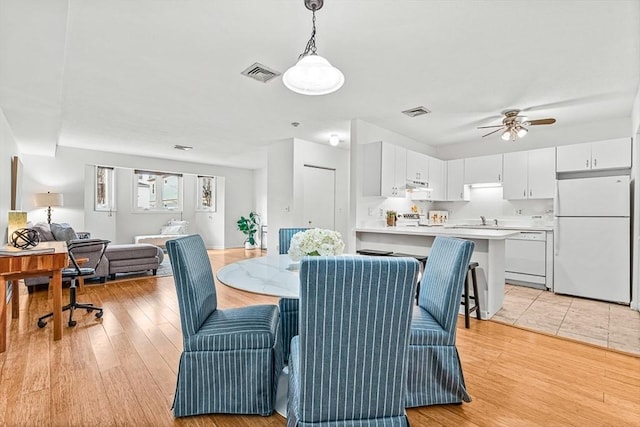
pixel 313 74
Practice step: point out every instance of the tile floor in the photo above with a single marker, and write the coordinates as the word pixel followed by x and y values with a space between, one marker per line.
pixel 600 323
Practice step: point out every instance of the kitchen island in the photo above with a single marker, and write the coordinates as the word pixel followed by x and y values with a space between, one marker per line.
pixel 488 252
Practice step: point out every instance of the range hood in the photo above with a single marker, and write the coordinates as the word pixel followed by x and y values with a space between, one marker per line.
pixel 417 185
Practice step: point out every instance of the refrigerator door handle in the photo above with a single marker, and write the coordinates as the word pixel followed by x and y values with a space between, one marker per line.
pixel 556 234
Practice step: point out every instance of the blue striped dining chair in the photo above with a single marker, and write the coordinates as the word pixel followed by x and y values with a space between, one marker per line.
pixel 289 307
pixel 231 358
pixel 435 372
pixel 348 365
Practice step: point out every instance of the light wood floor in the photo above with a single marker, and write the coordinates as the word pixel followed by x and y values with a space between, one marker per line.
pixel 121 370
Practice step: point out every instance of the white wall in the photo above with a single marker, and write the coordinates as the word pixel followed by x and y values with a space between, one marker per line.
pixel 8 149
pixel 285 189
pixel 66 173
pixel 635 182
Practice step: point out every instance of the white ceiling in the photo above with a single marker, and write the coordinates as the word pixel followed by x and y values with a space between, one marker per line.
pixel 139 76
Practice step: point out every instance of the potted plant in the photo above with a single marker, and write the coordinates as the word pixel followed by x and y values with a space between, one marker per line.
pixel 249 226
pixel 391 218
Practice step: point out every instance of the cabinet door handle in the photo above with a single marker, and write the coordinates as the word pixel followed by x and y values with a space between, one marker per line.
pixel 595 162
pixel 530 193
pixel 461 196
pixel 499 177
pixel 587 163
pixel 524 192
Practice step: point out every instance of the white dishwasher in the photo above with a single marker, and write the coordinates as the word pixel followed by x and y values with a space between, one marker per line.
pixel 526 259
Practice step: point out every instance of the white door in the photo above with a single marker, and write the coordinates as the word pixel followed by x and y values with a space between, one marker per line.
pixel 592 258
pixel 319 197
pixel 436 179
pixel 455 181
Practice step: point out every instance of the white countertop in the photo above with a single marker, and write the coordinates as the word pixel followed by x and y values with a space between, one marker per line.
pixel 464 233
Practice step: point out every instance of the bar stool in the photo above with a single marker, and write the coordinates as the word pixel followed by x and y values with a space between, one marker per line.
pixel 422 259
pixel 466 297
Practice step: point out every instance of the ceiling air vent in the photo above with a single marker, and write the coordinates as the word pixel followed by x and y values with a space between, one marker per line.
pixel 417 111
pixel 260 72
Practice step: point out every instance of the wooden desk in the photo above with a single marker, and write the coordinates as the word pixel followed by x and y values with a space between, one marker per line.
pixel 16 267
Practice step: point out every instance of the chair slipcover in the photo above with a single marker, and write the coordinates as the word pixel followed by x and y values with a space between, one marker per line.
pixel 435 372
pixel 289 307
pixel 347 367
pixel 231 358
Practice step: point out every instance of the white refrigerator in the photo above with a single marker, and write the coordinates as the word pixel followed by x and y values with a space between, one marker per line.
pixel 592 244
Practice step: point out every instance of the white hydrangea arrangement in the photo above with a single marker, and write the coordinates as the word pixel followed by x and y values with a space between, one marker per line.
pixel 315 241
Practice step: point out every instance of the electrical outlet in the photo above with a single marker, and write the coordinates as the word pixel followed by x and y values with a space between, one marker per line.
pixel 518 212
pixel 381 214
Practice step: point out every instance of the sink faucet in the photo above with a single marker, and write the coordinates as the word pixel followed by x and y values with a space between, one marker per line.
pixel 484 220
pixel 495 221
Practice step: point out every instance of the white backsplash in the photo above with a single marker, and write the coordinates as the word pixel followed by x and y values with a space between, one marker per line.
pixel 488 202
pixel 485 202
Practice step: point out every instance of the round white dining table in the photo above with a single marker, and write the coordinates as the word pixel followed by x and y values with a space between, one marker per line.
pixel 274 275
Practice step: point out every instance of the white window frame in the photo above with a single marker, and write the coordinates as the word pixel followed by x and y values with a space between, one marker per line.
pixel 104 189
pixel 158 192
pixel 203 183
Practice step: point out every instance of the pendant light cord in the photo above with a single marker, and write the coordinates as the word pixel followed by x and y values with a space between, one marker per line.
pixel 310 49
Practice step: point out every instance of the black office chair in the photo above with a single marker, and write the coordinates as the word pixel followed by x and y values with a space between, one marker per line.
pixel 76 248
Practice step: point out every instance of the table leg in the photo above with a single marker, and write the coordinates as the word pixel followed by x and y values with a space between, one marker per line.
pixel 3 315
pixel 56 286
pixel 15 299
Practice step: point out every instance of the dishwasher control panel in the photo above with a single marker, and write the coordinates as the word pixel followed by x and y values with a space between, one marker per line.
pixel 530 235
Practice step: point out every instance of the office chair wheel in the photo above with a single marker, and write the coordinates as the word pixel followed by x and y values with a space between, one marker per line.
pixel 99 314
pixel 72 323
pixel 41 324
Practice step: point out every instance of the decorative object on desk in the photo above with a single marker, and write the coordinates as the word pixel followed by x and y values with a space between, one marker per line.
pixel 48 200
pixel 392 216
pixel 249 226
pixel 25 238
pixel 315 242
pixel 16 220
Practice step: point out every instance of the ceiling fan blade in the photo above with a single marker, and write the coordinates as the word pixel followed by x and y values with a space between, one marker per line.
pixel 487 127
pixel 491 133
pixel 548 121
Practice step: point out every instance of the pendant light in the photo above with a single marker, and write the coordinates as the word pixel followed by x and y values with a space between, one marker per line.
pixel 313 74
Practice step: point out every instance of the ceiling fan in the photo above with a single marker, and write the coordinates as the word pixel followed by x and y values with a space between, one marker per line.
pixel 514 126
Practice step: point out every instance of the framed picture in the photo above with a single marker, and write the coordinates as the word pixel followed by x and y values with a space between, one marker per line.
pixel 105 199
pixel 206 193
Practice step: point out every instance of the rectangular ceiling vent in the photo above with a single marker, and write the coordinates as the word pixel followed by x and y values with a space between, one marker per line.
pixel 417 111
pixel 260 72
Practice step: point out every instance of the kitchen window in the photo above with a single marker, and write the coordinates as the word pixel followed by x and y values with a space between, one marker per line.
pixel 157 191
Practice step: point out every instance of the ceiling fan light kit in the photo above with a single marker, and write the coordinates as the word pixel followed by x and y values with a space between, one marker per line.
pixel 514 126
pixel 313 74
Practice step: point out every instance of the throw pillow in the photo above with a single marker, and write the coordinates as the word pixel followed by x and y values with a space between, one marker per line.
pixel 63 232
pixel 44 231
pixel 182 224
pixel 171 229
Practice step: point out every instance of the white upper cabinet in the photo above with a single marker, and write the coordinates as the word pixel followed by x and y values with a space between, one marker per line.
pixel 456 190
pixel 384 170
pixel 600 155
pixel 417 166
pixel 529 174
pixel 482 170
pixel 436 180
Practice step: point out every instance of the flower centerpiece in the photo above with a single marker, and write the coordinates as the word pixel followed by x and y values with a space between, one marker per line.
pixel 315 241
